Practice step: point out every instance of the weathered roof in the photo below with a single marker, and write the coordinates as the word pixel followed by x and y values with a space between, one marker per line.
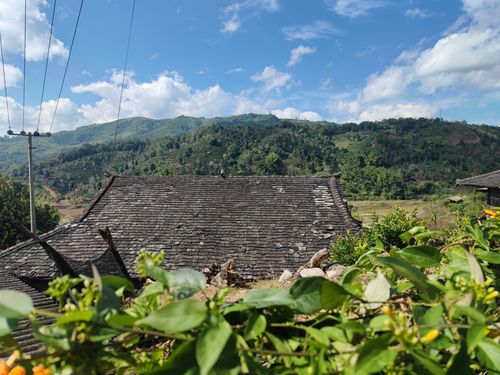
pixel 266 223
pixel 23 334
pixel 487 180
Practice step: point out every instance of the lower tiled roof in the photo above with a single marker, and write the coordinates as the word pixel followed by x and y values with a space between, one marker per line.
pixel 23 334
pixel 266 224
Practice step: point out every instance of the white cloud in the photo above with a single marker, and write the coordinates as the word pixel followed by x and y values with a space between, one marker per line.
pixel 272 78
pixel 38 27
pixel 233 14
pixel 417 13
pixel 231 25
pixel 13 76
pixel 316 30
pixel 239 69
pixel 353 8
pixel 466 60
pixel 298 53
pixel 294 113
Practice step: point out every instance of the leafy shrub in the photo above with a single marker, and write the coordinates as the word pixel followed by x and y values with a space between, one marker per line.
pixel 388 228
pixel 348 248
pixel 420 310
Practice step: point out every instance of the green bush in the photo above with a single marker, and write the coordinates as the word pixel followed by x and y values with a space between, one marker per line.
pixel 388 228
pixel 348 248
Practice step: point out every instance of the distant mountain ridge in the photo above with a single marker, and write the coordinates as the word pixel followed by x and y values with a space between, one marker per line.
pixel 393 159
pixel 13 150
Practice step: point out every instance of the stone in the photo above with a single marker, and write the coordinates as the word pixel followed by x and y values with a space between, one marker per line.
pixel 312 272
pixel 285 276
pixel 333 273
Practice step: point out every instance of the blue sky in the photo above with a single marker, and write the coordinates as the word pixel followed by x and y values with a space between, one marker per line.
pixel 336 60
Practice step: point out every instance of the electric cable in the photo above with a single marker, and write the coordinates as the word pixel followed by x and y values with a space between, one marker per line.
pixel 24 62
pixel 5 82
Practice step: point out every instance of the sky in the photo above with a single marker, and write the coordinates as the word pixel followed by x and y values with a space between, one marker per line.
pixel 333 60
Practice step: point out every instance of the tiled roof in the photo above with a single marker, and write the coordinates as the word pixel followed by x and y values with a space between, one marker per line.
pixel 487 180
pixel 23 334
pixel 266 224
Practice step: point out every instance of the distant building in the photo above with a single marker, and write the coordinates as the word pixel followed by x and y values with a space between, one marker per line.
pixel 266 224
pixel 489 183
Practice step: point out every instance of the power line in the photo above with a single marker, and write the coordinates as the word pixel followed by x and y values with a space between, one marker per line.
pixel 67 64
pixel 24 62
pixel 123 80
pixel 46 64
pixel 123 76
pixel 5 82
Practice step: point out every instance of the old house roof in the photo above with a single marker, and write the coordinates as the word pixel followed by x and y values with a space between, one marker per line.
pixel 487 180
pixel 266 224
pixel 23 335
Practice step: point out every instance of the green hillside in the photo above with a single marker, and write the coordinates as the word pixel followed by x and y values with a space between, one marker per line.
pixel 14 149
pixel 392 159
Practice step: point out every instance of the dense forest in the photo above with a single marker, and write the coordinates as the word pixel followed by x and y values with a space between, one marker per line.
pixel 391 159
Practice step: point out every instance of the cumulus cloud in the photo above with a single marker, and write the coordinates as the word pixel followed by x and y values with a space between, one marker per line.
pixel 353 8
pixel 272 79
pixel 233 14
pixel 13 76
pixel 298 53
pixel 316 30
pixel 466 56
pixel 38 28
pixel 294 113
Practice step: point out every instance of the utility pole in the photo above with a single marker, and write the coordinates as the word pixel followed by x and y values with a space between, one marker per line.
pixel 30 171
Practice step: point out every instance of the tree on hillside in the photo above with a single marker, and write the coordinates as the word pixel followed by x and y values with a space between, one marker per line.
pixel 14 206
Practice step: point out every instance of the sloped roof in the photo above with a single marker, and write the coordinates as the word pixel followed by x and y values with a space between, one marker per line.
pixel 265 223
pixel 23 334
pixel 487 180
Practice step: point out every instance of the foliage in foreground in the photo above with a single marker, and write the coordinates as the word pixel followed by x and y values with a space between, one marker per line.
pixel 413 309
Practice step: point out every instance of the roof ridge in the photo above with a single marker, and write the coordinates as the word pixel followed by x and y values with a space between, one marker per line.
pixel 477 176
pixel 99 196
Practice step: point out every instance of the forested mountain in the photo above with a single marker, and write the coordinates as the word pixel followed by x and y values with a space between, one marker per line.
pixel 402 158
pixel 14 149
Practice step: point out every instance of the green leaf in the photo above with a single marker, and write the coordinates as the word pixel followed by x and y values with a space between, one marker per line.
pixel 7 326
pixel 260 299
pixel 428 362
pixel 474 335
pixel 159 274
pixel 52 335
pixel 180 361
pixel 422 256
pixel 76 316
pixel 256 325
pixel 488 353
pixel 116 282
pixel 210 344
pixel 461 362
pixel 475 269
pixel 121 320
pixel 374 356
pixel 14 304
pixel 318 336
pixel 185 282
pixel 314 293
pixel 178 316
pixel 470 312
pixel 413 274
pixel 491 257
pixel 377 291
pixel 155 288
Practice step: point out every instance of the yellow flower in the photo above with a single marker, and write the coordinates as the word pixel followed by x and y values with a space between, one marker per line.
pixel 491 295
pixel 4 369
pixel 490 213
pixel 430 336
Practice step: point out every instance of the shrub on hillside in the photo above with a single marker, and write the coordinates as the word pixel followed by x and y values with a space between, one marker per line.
pixel 348 248
pixel 388 228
